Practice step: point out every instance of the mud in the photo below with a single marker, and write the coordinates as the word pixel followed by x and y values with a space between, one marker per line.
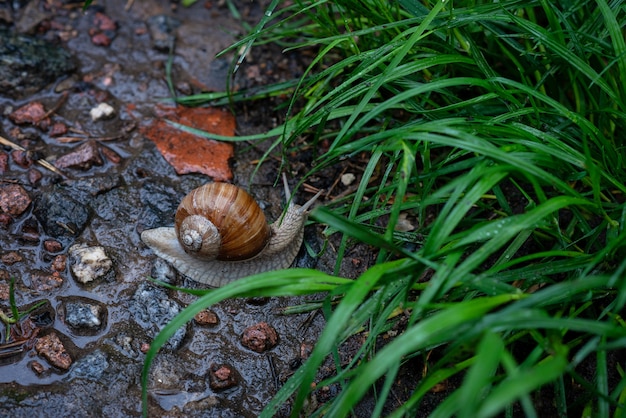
pixel 129 189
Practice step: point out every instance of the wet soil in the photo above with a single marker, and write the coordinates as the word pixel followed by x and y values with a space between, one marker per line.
pixel 122 185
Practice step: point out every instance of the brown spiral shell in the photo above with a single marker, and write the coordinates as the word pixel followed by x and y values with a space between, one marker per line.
pixel 240 221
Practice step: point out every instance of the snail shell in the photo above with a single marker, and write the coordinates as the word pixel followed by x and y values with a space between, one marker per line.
pixel 221 234
pixel 221 221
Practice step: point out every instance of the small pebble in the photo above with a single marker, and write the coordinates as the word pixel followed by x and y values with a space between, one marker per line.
pixel 13 199
pixel 58 129
pixel 30 235
pixel 60 214
pixel 22 158
pixel 99 39
pixel 52 246
pixel 52 349
pixel 206 317
pixel 222 376
pixel 59 262
pixel 83 315
pixel 89 263
pixel 43 282
pixel 259 337
pixel 102 111
pixel 347 179
pixel 37 367
pixel 90 367
pixel 34 176
pixel 104 22
pixel 33 113
pixel 11 258
pixel 83 157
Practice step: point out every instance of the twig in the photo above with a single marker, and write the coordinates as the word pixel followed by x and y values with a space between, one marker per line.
pixel 57 105
pixel 41 161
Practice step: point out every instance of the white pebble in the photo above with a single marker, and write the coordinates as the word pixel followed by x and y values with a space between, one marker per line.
pixel 89 263
pixel 347 179
pixel 102 111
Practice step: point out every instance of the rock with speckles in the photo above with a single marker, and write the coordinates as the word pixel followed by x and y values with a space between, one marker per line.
pixel 89 263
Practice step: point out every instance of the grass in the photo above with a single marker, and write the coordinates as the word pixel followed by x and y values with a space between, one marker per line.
pixel 498 126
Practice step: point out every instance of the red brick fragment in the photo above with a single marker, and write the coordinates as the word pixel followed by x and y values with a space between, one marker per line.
pixel 189 153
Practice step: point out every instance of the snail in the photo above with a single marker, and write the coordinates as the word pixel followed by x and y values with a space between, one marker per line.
pixel 221 234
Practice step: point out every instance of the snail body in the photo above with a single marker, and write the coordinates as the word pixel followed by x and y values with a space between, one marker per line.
pixel 221 234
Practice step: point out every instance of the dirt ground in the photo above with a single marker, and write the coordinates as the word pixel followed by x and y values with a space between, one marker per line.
pixel 114 175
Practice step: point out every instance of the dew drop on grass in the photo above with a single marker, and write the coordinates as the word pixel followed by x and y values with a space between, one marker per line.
pixel 268 13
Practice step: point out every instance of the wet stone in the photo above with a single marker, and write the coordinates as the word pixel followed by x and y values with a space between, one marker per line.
pixel 222 376
pixel 14 200
pixel 22 158
pixel 104 22
pixel 34 176
pixel 59 263
pixel 104 30
pixel 11 258
pixel 32 113
pixel 97 185
pixel 83 157
pixel 45 282
pixel 37 367
pixel 259 337
pixel 162 202
pixel 58 129
pixel 124 344
pixel 29 231
pixel 89 263
pixel 84 315
pixel 161 28
pixel 90 367
pixel 60 215
pixel 52 349
pixel 100 39
pixel 152 308
pixel 29 64
pixel 52 246
pixel 102 111
pixel 206 317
